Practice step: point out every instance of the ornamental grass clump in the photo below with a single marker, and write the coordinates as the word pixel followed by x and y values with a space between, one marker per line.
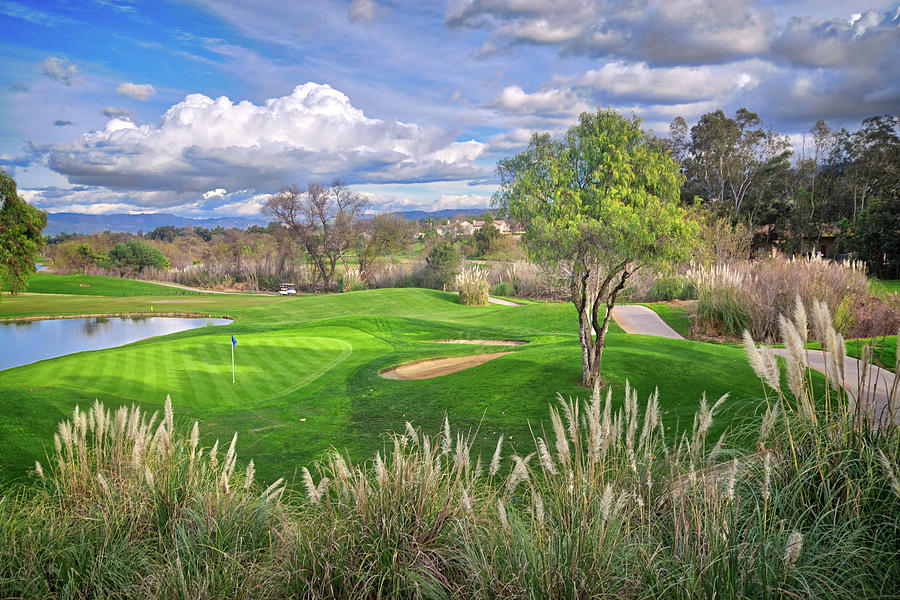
pixel 473 286
pixel 750 295
pixel 128 507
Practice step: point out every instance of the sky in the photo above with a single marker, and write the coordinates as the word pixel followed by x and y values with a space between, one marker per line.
pixel 203 108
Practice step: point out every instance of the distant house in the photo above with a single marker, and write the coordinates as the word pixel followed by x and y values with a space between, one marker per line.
pixel 768 238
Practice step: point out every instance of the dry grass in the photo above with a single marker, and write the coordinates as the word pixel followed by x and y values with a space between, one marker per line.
pixel 751 295
pixel 473 286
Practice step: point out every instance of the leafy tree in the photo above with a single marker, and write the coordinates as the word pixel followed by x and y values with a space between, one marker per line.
pixel 442 264
pixel 79 256
pixel 486 238
pixel 135 255
pixel 726 159
pixel 20 236
pixel 385 234
pixel 603 200
pixel 164 233
pixel 874 237
pixel 203 233
pixel 324 219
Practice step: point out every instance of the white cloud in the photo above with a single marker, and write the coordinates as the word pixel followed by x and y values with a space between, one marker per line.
pixel 313 134
pixel 553 102
pixel 138 91
pixel 362 11
pixel 59 69
pixel 216 193
pixel 637 81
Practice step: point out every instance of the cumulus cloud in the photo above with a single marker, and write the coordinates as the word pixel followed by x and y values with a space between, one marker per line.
pixel 362 11
pixel 312 134
pixel 216 193
pixel 18 86
pixel 138 91
pixel 548 103
pixel 59 69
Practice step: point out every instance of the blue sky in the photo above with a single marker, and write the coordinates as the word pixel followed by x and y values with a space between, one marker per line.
pixel 203 108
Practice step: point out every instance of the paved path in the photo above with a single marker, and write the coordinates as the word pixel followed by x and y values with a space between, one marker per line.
pixel 201 290
pixel 634 318
pixel 493 300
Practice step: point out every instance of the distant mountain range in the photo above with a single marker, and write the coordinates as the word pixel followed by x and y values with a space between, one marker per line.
pixel 81 223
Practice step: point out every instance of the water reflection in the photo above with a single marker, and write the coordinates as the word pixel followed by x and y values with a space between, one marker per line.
pixel 24 342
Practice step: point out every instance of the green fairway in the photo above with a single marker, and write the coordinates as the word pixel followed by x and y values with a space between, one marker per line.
pixel 96 285
pixel 307 371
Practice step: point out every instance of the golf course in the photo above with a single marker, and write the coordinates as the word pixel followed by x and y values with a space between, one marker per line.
pixel 308 370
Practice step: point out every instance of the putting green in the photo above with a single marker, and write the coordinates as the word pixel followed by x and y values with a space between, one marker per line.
pixel 267 365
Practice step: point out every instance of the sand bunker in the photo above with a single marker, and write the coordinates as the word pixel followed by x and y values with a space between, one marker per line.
pixel 435 367
pixel 483 342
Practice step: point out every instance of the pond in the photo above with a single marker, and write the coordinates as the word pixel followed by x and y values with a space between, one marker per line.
pixel 25 342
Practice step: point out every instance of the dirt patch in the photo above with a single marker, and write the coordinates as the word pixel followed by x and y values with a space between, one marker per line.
pixel 435 367
pixel 483 342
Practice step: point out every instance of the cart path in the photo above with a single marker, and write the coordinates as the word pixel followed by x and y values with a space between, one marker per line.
pixel 634 318
pixel 637 319
pixel 202 291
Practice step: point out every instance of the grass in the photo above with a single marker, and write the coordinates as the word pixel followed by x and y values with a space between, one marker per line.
pixel 884 350
pixel 97 285
pixel 605 503
pixel 308 371
pixel 880 287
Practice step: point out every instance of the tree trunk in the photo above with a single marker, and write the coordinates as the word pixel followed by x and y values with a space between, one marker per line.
pixel 587 295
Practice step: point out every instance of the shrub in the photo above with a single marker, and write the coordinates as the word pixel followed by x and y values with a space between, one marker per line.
pixel 351 280
pixel 504 288
pixel 473 286
pixel 675 287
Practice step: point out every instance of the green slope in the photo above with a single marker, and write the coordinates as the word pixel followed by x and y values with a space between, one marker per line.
pixel 308 372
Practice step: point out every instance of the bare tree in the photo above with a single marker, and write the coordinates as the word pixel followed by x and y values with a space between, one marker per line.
pixel 324 219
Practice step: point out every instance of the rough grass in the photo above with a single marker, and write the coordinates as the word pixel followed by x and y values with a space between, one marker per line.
pixel 297 393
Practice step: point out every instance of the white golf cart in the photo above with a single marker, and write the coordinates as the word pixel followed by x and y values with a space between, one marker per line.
pixel 287 289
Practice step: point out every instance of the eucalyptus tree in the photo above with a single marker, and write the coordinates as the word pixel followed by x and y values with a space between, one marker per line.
pixel 603 200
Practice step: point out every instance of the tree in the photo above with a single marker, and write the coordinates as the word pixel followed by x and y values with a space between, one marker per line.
pixel 486 238
pixel 20 236
pixel 384 235
pixel 135 255
pixel 727 159
pixel 324 219
pixel 442 264
pixel 603 200
pixel 874 237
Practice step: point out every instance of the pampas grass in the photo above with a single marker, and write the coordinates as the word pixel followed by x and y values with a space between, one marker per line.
pixel 473 286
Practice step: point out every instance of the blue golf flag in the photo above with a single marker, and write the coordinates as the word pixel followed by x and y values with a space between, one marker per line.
pixel 233 341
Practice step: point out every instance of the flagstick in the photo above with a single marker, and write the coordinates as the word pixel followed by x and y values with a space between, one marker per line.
pixel 232 363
